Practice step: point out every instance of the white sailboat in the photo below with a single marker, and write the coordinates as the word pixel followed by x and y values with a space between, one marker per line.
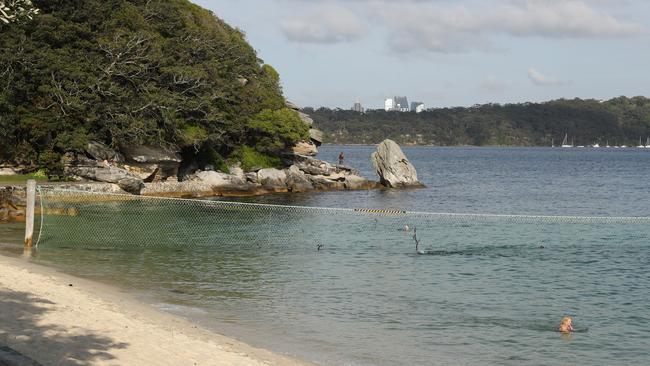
pixel 647 143
pixel 565 142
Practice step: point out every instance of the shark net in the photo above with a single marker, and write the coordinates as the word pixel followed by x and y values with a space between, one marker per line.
pixel 81 219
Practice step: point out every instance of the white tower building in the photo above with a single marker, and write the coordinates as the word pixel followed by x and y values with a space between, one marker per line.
pixel 389 104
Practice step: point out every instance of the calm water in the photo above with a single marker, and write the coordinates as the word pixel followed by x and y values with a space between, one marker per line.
pixel 487 295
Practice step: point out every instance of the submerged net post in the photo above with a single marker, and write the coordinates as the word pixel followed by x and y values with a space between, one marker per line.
pixel 29 213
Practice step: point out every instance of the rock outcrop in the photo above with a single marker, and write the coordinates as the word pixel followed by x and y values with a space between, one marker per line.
pixel 101 152
pixel 392 166
pixel 297 181
pixel 151 163
pixel 305 148
pixel 272 178
pixel 109 174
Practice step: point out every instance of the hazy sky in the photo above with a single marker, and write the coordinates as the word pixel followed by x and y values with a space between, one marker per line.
pixel 448 52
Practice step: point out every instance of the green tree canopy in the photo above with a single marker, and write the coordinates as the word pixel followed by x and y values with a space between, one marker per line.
pixel 158 72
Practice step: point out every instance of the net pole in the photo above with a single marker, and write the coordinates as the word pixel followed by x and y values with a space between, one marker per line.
pixel 29 213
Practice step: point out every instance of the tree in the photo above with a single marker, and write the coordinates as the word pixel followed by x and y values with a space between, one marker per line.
pixel 138 72
pixel 16 10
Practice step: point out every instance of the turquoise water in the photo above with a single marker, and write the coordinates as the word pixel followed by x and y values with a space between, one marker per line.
pixel 491 292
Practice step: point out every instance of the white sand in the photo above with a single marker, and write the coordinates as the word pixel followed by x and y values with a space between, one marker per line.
pixel 88 323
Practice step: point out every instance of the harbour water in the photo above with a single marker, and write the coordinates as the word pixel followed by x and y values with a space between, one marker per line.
pixel 491 292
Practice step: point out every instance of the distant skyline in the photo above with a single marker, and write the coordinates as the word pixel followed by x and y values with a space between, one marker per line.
pixel 333 53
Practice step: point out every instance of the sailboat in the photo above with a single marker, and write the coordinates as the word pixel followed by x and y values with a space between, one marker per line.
pixel 647 143
pixel 565 142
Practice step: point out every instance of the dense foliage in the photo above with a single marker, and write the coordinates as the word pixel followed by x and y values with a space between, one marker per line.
pixel 16 10
pixel 617 121
pixel 157 72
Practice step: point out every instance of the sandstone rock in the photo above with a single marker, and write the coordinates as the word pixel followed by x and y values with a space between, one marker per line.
pixel 316 136
pixel 72 159
pixel 392 166
pixel 8 171
pixel 4 214
pixel 16 214
pixel 150 154
pixel 306 119
pixel 102 152
pixel 313 166
pixel 291 105
pixel 237 171
pixel 125 180
pixel 146 172
pixel 167 161
pixel 297 181
pixel 305 148
pixel 354 182
pixel 251 177
pixel 322 183
pixel 271 177
pixel 218 179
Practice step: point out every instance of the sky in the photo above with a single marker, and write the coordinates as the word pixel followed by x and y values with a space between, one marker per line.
pixel 444 53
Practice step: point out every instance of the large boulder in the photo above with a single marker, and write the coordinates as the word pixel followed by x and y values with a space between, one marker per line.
pixel 109 174
pixel 313 166
pixel 392 166
pixel 8 171
pixel 271 177
pixel 102 152
pixel 306 119
pixel 150 154
pixel 355 182
pixel 297 181
pixel 219 180
pixel 156 162
pixel 316 136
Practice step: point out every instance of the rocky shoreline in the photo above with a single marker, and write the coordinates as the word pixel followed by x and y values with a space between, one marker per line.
pixel 303 174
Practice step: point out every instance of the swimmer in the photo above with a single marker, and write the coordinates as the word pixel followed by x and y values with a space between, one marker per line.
pixel 566 325
pixel 406 228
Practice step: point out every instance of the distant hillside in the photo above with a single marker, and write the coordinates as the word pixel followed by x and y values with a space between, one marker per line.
pixel 620 120
pixel 158 72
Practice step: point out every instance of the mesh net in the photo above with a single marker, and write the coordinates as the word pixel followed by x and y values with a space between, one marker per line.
pixel 83 219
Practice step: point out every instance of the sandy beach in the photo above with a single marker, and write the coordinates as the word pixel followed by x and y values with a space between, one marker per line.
pixel 57 319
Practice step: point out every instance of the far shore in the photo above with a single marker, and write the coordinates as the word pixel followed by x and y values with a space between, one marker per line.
pixel 58 319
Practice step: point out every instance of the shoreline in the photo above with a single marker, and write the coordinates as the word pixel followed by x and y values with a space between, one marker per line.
pixel 56 318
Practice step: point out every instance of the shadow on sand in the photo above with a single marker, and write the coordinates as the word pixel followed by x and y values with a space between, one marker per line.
pixel 21 329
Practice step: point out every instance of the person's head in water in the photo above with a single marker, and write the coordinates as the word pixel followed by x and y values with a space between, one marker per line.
pixel 566 325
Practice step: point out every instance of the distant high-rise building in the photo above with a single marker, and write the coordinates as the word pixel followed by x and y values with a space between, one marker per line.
pixel 401 104
pixel 357 107
pixel 389 104
pixel 417 107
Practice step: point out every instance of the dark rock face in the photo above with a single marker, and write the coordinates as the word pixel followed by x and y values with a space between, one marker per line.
pixel 392 166
pixel 150 154
pixel 102 152
pixel 152 163
pixel 125 180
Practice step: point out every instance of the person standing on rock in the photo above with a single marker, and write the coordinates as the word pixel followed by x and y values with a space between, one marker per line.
pixel 341 158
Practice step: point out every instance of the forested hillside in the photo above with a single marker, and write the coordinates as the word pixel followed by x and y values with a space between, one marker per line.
pixel 617 121
pixel 157 72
